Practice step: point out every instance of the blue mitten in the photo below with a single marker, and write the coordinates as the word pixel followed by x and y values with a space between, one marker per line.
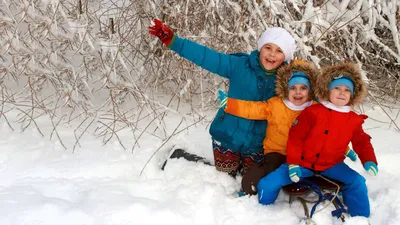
pixel 222 98
pixel 351 154
pixel 371 168
pixel 294 172
pixel 241 193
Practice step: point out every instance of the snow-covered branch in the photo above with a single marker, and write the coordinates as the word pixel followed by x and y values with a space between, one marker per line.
pixel 92 64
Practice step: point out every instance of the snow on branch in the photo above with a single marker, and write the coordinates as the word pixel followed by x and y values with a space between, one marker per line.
pixel 93 65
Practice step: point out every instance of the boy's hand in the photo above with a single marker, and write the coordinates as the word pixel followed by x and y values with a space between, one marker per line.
pixel 371 168
pixel 351 154
pixel 294 172
pixel 222 98
pixel 162 31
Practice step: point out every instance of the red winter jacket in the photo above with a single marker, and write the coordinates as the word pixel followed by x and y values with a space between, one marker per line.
pixel 318 139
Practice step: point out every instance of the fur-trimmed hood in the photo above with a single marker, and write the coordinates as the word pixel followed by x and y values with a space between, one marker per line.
pixel 347 69
pixel 285 72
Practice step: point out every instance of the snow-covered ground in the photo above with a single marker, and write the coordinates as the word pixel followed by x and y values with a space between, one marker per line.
pixel 43 184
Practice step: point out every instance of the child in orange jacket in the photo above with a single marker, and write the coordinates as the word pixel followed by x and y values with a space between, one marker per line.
pixel 319 136
pixel 294 88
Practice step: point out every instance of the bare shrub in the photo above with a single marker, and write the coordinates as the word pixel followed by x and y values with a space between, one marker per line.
pixel 91 64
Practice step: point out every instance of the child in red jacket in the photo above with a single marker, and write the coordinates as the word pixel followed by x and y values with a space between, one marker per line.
pixel 319 136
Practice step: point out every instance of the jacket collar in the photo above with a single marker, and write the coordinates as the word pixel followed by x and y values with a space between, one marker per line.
pixel 343 109
pixel 255 60
pixel 255 63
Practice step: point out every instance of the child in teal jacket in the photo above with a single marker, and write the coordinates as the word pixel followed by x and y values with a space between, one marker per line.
pixel 237 142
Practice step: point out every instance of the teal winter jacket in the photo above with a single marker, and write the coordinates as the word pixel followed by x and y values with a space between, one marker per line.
pixel 247 81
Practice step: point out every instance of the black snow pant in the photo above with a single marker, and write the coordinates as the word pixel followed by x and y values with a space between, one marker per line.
pixel 271 162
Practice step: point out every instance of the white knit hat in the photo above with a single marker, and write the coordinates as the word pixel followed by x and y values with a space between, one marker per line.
pixel 281 38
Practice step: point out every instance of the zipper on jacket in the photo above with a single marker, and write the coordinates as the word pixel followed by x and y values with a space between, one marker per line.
pixel 268 85
pixel 262 82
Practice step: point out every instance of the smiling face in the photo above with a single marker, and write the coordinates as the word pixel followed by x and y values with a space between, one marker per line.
pixel 340 95
pixel 298 94
pixel 271 56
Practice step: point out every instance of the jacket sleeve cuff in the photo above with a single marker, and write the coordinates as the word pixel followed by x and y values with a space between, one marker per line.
pixel 172 41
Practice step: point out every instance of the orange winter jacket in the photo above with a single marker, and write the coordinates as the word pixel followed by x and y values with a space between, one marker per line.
pixel 279 116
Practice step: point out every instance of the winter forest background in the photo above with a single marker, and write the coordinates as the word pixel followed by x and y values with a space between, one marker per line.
pixel 91 64
pixel 91 105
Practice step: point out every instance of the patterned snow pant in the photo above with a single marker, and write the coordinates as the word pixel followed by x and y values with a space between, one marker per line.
pixel 232 162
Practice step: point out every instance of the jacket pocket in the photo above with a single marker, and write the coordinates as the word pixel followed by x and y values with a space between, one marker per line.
pixel 223 127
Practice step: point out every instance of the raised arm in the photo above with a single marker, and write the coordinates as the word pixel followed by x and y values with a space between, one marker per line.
pixel 207 58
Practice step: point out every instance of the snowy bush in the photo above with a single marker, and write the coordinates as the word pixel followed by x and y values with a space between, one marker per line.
pixel 91 63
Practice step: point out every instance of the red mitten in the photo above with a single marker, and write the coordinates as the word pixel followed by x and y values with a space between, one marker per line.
pixel 162 31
